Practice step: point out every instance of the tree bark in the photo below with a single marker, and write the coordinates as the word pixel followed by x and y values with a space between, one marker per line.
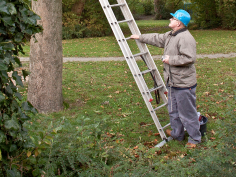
pixel 46 58
pixel 78 7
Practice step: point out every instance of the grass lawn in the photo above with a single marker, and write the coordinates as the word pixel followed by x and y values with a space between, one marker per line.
pixel 106 129
pixel 208 42
pixel 106 118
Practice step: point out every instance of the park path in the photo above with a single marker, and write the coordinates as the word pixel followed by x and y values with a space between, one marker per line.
pixel 155 57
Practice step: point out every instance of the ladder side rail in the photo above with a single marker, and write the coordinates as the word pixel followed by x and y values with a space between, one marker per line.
pixel 143 48
pixel 131 62
pixel 134 28
pixel 127 52
pixel 125 48
pixel 148 104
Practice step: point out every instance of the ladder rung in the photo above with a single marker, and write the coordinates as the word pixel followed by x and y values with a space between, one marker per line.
pixel 127 38
pixel 117 5
pixel 155 88
pixel 146 71
pixel 166 126
pixel 129 20
pixel 160 106
pixel 138 54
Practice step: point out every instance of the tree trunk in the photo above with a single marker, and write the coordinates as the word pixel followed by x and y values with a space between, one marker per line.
pixel 46 60
pixel 157 9
pixel 78 7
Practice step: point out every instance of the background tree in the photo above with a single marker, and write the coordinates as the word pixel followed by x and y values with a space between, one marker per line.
pixel 163 8
pixel 78 7
pixel 87 19
pixel 45 81
pixel 214 13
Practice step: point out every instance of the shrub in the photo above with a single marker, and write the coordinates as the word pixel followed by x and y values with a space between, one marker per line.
pixel 214 13
pixel 148 6
pixel 229 15
pixel 18 23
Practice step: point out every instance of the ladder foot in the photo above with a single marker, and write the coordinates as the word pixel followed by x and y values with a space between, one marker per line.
pixel 164 142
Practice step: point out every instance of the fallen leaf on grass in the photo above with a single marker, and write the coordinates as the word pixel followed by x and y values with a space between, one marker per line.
pixel 212 138
pixel 213 132
pixel 136 147
pixel 206 93
pixel 158 152
pixel 142 123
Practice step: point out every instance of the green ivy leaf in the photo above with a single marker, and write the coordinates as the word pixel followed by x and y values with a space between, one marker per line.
pixel 11 125
pixel 3 7
pixel 17 78
pixel 17 60
pixel 18 37
pixel 24 117
pixel 26 106
pixel 2 97
pixel 2 137
pixel 11 8
pixel 8 46
pixel 18 95
pixel 13 148
pixel 3 66
pixel 13 173
pixel 8 20
pixel 25 73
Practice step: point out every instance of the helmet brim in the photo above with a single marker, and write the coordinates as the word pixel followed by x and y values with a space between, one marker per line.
pixel 172 14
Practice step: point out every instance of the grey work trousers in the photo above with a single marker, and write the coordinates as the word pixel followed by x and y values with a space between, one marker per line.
pixel 183 114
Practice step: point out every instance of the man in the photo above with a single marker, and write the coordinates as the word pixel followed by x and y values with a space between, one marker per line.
pixel 179 75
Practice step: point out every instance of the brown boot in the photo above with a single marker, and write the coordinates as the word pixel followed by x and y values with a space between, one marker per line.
pixel 168 132
pixel 190 145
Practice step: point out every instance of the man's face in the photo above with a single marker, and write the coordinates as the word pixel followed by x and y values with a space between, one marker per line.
pixel 174 23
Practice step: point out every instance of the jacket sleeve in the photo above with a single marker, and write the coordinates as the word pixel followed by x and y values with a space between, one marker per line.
pixel 187 53
pixel 154 39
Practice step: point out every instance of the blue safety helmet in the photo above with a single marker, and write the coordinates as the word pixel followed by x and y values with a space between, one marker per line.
pixel 182 16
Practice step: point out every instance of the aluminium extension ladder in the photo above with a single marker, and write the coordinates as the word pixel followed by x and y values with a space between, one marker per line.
pixel 131 61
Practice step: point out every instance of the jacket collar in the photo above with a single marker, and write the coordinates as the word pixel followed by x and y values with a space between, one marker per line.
pixel 174 33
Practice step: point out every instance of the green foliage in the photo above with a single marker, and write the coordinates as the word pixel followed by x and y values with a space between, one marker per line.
pixel 92 21
pixel 148 6
pixel 165 7
pixel 229 15
pixel 214 13
pixel 18 23
pixel 107 130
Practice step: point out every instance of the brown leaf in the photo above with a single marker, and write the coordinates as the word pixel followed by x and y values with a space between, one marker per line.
pixel 28 153
pixel 213 132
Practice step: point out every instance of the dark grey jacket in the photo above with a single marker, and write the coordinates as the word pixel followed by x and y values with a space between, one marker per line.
pixel 181 47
